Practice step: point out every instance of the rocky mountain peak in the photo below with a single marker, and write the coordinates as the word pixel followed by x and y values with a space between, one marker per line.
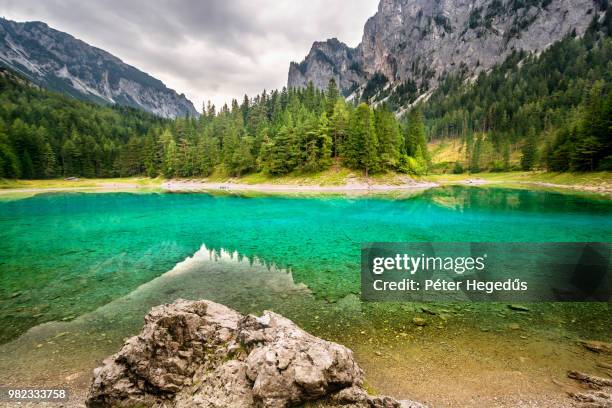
pixel 327 59
pixel 60 62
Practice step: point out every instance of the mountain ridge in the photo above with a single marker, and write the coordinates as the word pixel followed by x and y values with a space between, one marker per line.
pixel 409 45
pixel 58 61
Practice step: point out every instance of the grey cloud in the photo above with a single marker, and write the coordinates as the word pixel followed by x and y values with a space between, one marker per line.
pixel 213 49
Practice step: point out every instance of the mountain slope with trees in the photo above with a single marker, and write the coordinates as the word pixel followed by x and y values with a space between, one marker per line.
pixel 555 108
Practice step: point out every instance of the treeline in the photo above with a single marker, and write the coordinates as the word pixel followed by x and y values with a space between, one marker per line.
pixel 554 109
pixel 295 130
pixel 43 135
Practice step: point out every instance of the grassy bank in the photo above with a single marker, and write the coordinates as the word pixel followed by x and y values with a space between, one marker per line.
pixel 528 177
pixel 522 179
pixel 127 182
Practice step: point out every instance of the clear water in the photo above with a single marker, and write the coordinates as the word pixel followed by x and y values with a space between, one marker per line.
pixel 63 255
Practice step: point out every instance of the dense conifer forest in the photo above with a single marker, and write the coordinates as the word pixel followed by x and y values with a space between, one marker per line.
pixel 44 134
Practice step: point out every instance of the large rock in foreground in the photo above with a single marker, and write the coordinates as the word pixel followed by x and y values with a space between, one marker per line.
pixel 203 354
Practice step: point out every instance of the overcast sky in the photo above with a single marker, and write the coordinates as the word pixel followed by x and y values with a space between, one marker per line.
pixel 207 49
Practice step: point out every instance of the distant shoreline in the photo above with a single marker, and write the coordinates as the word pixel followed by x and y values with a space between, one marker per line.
pixel 327 182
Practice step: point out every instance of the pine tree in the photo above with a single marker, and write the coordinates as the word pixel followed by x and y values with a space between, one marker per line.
pixel 559 153
pixel 149 156
pixel 244 108
pixel 170 156
pixel 69 156
pixel 242 159
pixel 584 155
pixel 415 135
pixel 361 150
pixel 264 160
pixel 595 129
pixel 338 125
pixel 48 161
pixel 185 158
pixel 310 97
pixel 211 111
pixel 324 143
pixel 309 160
pixel 230 143
pixel 331 97
pixel 529 150
pixel 279 155
pixel 206 156
pixel 285 153
pixel 387 130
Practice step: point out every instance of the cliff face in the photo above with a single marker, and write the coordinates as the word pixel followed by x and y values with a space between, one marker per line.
pixel 325 60
pixel 420 40
pixel 60 62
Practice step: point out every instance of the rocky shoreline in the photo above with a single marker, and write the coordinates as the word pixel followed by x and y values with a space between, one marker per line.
pixel 354 186
pixel 203 354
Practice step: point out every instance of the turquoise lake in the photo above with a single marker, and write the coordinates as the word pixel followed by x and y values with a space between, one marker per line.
pixel 78 271
pixel 66 254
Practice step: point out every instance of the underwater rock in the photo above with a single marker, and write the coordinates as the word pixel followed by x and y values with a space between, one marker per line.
pixel 357 397
pixel 518 308
pixel 597 346
pixel 594 382
pixel 203 354
pixel 598 393
pixel 419 321
pixel 429 311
